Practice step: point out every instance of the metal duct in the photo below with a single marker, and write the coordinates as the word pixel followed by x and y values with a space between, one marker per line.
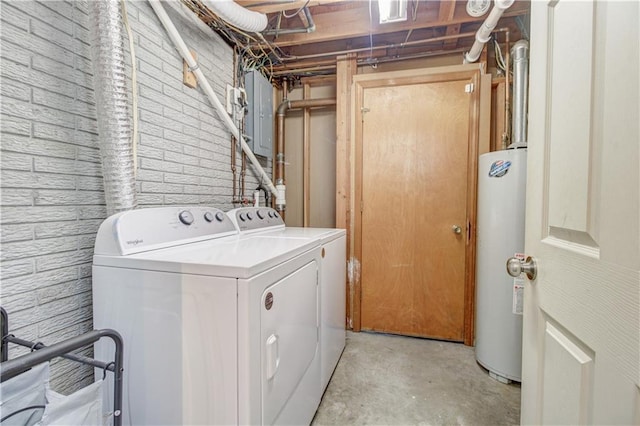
pixel 520 53
pixel 238 16
pixel 112 105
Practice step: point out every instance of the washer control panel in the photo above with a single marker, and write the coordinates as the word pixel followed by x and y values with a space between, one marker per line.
pixel 145 229
pixel 248 219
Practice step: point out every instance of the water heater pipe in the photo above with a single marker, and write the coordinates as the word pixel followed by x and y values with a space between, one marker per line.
pixel 220 109
pixel 238 16
pixel 484 32
pixel 519 52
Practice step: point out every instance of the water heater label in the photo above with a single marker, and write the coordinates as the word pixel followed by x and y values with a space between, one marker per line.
pixel 518 292
pixel 499 168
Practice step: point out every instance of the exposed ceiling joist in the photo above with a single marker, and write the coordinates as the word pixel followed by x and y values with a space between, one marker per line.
pixel 351 23
pixel 281 5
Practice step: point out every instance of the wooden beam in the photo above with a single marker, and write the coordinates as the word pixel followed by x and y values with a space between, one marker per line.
pixel 447 9
pixel 354 22
pixel 271 6
pixel 346 68
pixel 451 44
pixel 306 158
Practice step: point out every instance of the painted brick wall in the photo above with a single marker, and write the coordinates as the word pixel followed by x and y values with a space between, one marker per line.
pixel 52 200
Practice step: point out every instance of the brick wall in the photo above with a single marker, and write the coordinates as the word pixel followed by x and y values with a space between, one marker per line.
pixel 51 189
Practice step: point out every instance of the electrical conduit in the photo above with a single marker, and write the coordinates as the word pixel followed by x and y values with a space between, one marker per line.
pixel 220 109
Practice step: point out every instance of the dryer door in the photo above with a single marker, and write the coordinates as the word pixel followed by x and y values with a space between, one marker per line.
pixel 290 355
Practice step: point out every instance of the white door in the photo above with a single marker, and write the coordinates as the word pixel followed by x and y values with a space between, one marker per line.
pixel 581 321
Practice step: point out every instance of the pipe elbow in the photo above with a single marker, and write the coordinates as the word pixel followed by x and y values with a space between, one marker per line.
pixel 283 107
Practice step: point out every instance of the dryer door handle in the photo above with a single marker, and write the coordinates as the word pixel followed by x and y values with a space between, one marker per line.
pixel 272 356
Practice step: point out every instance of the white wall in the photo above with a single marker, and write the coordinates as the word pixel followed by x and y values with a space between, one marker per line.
pixel 52 199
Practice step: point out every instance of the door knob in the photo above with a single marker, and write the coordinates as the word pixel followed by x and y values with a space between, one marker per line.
pixel 516 266
pixel 456 229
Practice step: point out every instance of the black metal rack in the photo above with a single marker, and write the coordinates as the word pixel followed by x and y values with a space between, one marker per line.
pixel 41 353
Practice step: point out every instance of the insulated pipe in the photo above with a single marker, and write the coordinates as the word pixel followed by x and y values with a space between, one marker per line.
pixel 112 105
pixel 484 32
pixel 237 15
pixel 520 86
pixel 220 109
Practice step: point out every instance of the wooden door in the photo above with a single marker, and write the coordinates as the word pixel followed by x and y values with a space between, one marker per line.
pixel 581 356
pixel 415 140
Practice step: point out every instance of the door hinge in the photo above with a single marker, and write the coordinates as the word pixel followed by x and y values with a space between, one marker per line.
pixel 469 88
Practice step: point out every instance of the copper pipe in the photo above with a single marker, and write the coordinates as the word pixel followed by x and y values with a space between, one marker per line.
pixel 385 46
pixel 311 103
pixel 234 174
pixel 243 174
pixel 507 97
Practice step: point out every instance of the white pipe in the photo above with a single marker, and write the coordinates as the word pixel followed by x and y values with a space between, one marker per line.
pixel 220 109
pixel 484 32
pixel 237 15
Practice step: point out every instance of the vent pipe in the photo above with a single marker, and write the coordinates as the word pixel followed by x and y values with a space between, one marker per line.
pixel 520 53
pixel 238 16
pixel 484 32
pixel 112 105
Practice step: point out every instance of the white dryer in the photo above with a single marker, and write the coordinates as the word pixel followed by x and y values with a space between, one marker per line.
pixel 268 223
pixel 218 328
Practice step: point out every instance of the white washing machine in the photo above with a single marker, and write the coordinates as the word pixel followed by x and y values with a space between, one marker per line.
pixel 268 223
pixel 218 328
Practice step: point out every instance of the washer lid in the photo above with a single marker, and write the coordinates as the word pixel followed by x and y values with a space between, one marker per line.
pixel 323 234
pixel 232 256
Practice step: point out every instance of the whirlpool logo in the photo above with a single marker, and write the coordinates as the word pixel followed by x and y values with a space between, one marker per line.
pixel 135 242
pixel 499 168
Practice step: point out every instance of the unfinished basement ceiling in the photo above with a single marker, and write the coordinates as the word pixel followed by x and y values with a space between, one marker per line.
pixel 342 26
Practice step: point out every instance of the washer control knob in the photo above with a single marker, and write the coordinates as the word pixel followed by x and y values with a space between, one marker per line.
pixel 260 214
pixel 208 216
pixel 185 217
pixel 249 216
pixel 242 217
pixel 219 216
pixel 271 214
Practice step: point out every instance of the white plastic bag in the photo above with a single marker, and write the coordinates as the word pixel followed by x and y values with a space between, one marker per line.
pixel 26 392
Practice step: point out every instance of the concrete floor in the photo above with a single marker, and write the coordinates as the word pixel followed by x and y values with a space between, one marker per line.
pixel 391 380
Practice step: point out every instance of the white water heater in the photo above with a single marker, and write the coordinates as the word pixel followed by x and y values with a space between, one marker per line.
pixel 500 234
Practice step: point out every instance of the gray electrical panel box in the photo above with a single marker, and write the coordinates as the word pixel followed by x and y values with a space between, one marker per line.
pixel 259 120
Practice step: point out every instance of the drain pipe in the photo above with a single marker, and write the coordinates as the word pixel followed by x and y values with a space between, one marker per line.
pixel 112 105
pixel 484 32
pixel 519 52
pixel 220 109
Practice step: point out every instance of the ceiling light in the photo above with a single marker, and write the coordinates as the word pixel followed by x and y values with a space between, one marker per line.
pixel 392 10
